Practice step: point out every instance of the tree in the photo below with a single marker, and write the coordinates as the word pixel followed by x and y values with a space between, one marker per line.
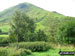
pixel 22 27
pixel 66 32
pixel 41 36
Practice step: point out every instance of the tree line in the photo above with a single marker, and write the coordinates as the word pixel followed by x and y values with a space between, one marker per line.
pixel 23 28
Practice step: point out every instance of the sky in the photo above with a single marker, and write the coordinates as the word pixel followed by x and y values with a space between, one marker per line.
pixel 65 7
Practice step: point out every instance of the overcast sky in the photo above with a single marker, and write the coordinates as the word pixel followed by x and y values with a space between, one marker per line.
pixel 66 7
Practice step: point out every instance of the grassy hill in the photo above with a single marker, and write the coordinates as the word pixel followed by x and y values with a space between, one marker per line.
pixel 46 20
pixel 31 10
pixel 41 16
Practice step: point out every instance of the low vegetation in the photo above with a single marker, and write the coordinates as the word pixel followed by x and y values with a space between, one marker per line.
pixel 33 46
pixel 14 52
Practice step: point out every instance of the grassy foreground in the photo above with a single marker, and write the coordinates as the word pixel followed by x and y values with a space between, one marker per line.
pixel 52 52
pixel 55 51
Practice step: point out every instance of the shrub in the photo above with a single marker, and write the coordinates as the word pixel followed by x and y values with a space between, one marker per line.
pixel 14 52
pixel 3 52
pixel 0 31
pixel 33 46
pixel 3 41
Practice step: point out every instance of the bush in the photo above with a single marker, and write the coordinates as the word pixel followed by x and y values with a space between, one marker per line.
pixel 3 52
pixel 3 41
pixel 14 52
pixel 33 46
pixel 0 31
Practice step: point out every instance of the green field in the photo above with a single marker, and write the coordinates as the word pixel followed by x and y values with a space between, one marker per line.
pixel 4 35
pixel 5 28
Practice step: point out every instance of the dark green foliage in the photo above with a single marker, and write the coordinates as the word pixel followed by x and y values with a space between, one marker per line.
pixel 66 32
pixel 41 36
pixel 0 31
pixel 3 41
pixel 33 46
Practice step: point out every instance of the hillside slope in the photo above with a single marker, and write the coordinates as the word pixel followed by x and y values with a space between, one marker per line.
pixel 31 10
pixel 46 20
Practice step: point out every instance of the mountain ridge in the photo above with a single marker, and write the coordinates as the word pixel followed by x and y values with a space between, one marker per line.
pixel 24 7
